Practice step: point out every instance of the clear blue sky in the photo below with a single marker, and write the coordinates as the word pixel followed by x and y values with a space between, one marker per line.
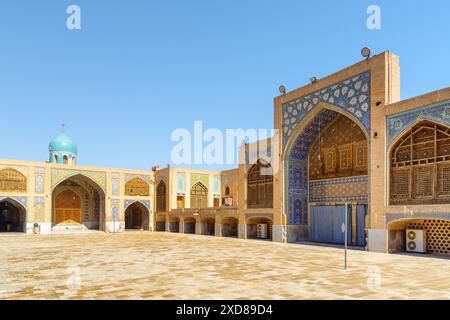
pixel 140 69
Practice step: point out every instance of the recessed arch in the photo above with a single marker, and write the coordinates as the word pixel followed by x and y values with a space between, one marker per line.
pixel 259 228
pixel 260 185
pixel 92 198
pixel 13 215
pixel 437 232
pixel 419 165
pixel 137 216
pixel 297 161
pixel 199 195
pixel 161 197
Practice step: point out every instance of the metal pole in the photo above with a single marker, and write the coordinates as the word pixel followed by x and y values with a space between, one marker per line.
pixel 345 235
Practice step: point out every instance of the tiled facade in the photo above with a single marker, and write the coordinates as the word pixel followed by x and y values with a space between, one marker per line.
pixel 367 93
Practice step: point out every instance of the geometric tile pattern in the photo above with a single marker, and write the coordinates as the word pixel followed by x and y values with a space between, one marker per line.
pixel 437 233
pixel 59 175
pixel 129 202
pixel 39 209
pixel 344 189
pixel 396 124
pixel 115 209
pixel 39 176
pixel 351 95
pixel 115 184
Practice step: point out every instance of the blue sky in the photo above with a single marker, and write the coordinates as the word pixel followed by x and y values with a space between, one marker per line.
pixel 137 70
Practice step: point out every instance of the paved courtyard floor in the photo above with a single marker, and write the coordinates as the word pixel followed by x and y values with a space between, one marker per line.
pixel 144 265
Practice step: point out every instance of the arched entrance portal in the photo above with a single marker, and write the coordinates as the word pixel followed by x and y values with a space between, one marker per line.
pixel 12 216
pixel 136 217
pixel 78 203
pixel 326 168
pixel 259 228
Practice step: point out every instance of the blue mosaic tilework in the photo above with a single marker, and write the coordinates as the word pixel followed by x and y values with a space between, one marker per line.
pixel 298 166
pixel 342 183
pixel 352 95
pixel 339 181
pixel 399 122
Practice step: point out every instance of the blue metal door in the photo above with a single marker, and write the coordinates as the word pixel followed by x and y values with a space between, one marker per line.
pixel 326 224
pixel 361 213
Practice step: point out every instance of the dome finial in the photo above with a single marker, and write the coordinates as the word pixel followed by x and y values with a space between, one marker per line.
pixel 62 127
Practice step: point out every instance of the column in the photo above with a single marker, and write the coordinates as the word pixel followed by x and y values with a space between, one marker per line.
pixel 181 230
pixel 198 227
pixel 218 227
pixel 167 223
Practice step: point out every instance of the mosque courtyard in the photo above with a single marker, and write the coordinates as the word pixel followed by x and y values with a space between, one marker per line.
pixel 144 265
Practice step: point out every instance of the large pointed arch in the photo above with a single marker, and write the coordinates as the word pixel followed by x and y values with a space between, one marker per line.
pixel 93 215
pixel 310 116
pixel 137 216
pixel 296 158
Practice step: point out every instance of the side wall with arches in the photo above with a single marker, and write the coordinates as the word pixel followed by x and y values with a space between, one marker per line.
pixel 35 191
pixel 432 109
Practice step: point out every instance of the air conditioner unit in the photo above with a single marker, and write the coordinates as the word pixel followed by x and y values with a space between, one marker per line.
pixel 416 241
pixel 261 231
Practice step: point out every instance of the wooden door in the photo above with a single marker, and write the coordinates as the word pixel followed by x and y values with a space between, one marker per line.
pixel 136 218
pixel 68 207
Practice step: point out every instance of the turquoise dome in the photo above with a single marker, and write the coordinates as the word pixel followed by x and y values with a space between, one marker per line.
pixel 62 142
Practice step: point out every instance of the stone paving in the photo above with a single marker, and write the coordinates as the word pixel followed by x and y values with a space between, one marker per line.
pixel 144 265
